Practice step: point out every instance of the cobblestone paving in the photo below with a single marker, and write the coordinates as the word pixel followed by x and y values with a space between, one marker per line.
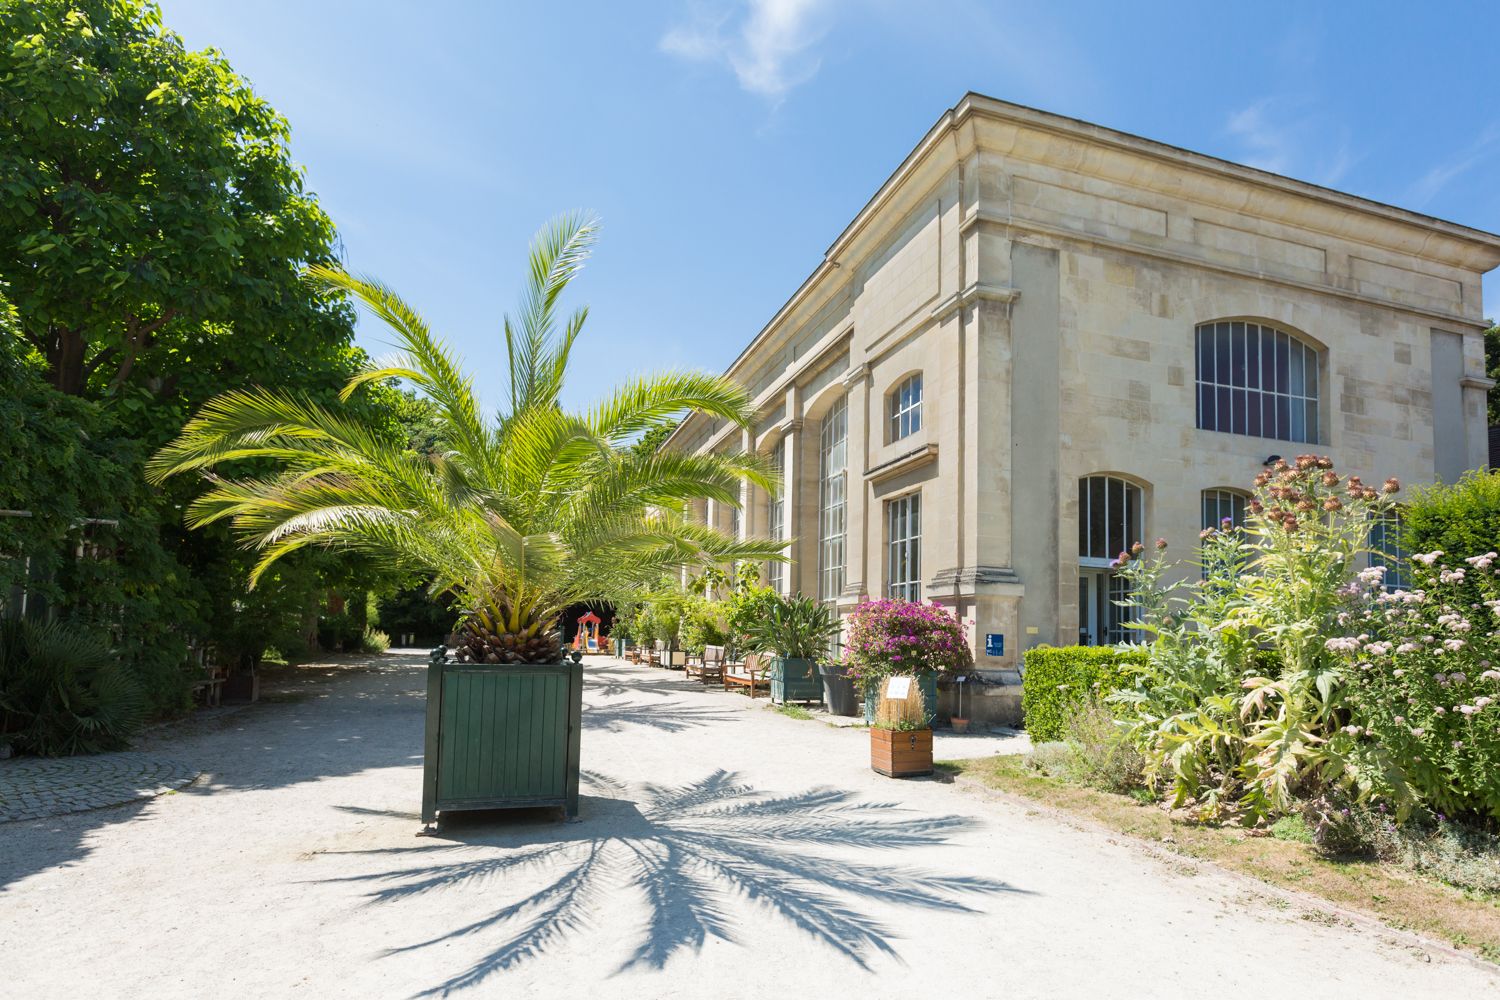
pixel 35 788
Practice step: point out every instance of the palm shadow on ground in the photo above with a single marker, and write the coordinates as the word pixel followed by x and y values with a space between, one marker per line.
pixel 612 717
pixel 691 853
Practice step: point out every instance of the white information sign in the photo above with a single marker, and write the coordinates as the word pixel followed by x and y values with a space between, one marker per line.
pixel 897 688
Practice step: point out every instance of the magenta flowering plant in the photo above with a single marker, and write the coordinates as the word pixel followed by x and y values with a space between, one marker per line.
pixel 904 637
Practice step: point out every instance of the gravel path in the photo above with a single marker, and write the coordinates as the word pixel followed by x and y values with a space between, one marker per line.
pixel 723 851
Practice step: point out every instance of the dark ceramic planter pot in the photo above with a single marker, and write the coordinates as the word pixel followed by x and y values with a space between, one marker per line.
pixel 839 692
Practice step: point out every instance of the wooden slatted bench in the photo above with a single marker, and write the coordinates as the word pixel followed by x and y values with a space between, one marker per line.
pixel 749 675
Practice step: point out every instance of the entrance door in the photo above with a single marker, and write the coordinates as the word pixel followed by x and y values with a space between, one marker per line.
pixel 1101 620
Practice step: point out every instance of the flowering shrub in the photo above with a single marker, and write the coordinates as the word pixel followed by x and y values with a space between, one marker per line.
pixel 1240 705
pixel 1423 670
pixel 904 637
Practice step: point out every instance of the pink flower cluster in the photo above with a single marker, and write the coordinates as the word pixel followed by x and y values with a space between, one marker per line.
pixel 892 636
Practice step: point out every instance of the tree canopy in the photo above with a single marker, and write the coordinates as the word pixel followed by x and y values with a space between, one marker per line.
pixel 152 222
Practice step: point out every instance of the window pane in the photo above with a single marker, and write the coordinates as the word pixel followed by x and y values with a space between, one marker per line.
pixel 1237 364
pixel 1098 534
pixel 1117 540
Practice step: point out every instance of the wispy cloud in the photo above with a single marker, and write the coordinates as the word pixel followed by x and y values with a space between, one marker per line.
pixel 1485 146
pixel 1283 136
pixel 766 43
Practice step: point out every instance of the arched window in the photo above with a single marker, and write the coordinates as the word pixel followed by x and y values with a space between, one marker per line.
pixel 1257 380
pixel 1223 505
pixel 904 405
pixel 1111 516
pixel 833 454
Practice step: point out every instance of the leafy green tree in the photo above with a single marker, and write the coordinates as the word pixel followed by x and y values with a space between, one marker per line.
pixel 152 223
pixel 1492 368
pixel 521 516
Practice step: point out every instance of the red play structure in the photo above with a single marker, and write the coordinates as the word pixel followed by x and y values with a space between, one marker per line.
pixel 586 639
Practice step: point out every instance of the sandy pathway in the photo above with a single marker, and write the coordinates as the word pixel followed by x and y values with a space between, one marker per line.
pixel 724 851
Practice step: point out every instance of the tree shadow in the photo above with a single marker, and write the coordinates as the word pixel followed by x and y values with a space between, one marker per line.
pixel 664 717
pixel 691 852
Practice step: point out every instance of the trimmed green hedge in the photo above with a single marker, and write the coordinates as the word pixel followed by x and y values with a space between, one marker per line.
pixel 1462 519
pixel 1060 679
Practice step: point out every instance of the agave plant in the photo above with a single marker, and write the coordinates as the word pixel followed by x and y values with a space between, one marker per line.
pixel 523 514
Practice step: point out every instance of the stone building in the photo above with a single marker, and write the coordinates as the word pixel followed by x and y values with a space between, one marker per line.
pixel 1042 340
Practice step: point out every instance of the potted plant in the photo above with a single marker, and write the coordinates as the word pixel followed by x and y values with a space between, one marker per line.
pixel 796 630
pixel 519 516
pixel 901 733
pixel 891 637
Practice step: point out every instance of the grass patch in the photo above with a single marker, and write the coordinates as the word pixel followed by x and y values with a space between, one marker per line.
pixel 793 712
pixel 1401 898
pixel 1293 828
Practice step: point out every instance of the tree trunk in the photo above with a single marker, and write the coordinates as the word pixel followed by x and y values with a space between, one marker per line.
pixel 65 357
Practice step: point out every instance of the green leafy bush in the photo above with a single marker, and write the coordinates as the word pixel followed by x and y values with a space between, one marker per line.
pixel 1423 678
pixel 1100 753
pixel 1462 518
pixel 1059 680
pixel 374 641
pixel 62 691
pixel 703 624
pixel 1242 705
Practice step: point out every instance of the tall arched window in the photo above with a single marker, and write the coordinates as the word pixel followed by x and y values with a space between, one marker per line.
pixel 1111 517
pixel 904 405
pixel 1257 380
pixel 833 453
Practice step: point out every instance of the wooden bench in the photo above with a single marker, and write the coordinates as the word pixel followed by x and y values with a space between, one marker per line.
pixel 711 667
pixel 208 690
pixel 749 675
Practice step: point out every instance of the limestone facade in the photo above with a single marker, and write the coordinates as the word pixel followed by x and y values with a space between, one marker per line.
pixel 1046 279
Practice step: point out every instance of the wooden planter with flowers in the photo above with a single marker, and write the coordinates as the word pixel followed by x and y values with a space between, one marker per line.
pixel 896 649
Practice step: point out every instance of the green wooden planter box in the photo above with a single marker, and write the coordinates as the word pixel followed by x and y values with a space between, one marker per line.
pixel 501 737
pixel 795 680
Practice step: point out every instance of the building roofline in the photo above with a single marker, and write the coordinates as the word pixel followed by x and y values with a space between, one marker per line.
pixel 974 103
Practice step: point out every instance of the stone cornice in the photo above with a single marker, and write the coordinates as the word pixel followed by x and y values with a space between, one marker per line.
pixel 1477 382
pixel 902 463
pixel 976 292
pixel 1011 224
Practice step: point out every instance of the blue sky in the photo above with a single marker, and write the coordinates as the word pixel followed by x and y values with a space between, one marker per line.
pixel 725 144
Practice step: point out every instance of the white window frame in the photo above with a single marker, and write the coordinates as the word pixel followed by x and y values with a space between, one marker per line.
pixel 905 407
pixel 903 519
pixel 1257 380
pixel 833 457
pixel 1132 526
pixel 1386 550
pixel 1218 503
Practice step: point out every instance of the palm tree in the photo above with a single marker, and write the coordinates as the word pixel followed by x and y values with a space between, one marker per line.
pixel 521 515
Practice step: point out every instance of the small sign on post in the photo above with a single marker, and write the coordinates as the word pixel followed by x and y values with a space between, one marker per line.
pixel 994 644
pixel 897 688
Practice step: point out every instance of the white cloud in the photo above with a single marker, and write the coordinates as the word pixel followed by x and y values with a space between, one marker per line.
pixel 1430 184
pixel 1276 134
pixel 767 43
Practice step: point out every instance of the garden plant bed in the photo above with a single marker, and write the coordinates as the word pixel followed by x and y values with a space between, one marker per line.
pixel 1397 897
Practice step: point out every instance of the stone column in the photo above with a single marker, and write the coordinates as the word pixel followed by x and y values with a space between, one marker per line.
pixel 856 491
